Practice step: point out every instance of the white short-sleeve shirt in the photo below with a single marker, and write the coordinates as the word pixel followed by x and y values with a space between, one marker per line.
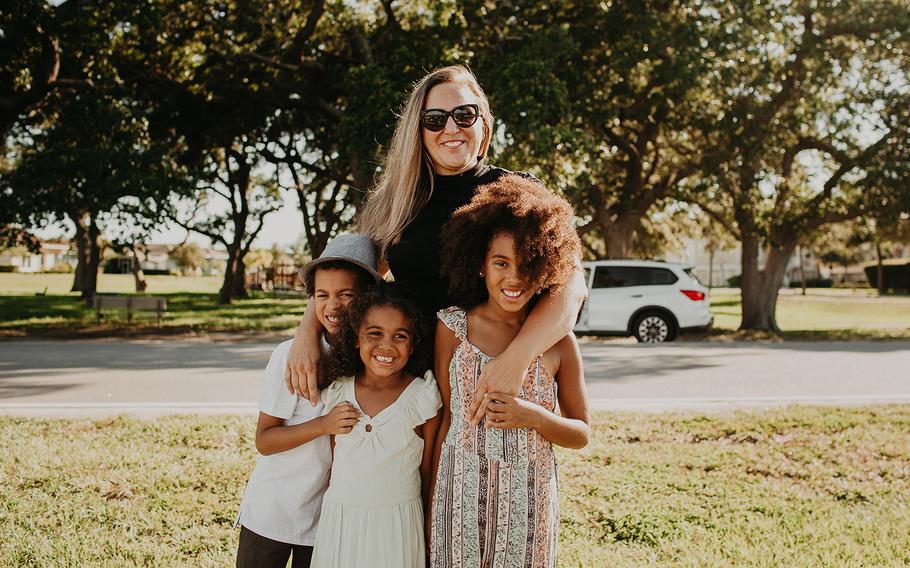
pixel 283 497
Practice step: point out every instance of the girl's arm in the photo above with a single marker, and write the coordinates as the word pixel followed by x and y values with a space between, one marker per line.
pixel 428 432
pixel 570 428
pixel 272 436
pixel 301 374
pixel 446 342
pixel 551 319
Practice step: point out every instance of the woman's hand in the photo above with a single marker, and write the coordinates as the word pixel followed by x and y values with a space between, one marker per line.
pixel 505 411
pixel 504 374
pixel 301 375
pixel 341 419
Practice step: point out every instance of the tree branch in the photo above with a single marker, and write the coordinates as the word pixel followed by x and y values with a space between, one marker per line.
pixel 719 217
pixel 306 32
pixel 391 18
pixel 845 167
pixel 361 46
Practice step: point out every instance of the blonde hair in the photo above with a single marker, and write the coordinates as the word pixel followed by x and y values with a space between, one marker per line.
pixel 406 182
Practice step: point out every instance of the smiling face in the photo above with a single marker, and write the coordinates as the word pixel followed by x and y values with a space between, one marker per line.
pixel 506 286
pixel 334 290
pixel 385 340
pixel 453 149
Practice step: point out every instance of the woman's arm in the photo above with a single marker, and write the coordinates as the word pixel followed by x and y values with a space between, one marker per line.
pixel 302 374
pixel 446 342
pixel 272 436
pixel 551 319
pixel 570 428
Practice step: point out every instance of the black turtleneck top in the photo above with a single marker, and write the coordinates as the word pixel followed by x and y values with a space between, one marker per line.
pixel 415 259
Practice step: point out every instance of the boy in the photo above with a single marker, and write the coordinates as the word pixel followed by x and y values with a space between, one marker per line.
pixel 280 508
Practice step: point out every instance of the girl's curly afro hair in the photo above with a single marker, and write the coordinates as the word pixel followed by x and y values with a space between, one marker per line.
pixel 343 358
pixel 540 222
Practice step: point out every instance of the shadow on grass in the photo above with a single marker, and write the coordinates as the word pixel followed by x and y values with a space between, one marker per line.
pixel 66 316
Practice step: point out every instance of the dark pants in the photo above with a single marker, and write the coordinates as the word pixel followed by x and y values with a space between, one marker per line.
pixel 257 551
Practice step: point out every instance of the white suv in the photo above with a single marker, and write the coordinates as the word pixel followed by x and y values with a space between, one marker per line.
pixel 649 299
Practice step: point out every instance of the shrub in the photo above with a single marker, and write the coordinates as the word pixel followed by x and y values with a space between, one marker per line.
pixel 9 268
pixel 61 268
pixel 112 267
pixel 812 283
pixel 157 271
pixel 895 276
pixel 735 281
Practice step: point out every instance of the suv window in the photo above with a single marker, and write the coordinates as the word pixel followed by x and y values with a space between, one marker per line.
pixel 651 276
pixel 691 273
pixel 614 276
pixel 621 276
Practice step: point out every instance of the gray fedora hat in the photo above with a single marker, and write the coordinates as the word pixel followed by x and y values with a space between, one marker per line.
pixel 355 248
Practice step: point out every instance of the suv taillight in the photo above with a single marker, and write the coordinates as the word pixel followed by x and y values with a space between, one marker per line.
pixel 694 295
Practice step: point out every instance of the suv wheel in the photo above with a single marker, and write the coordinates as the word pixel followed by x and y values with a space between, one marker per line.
pixel 654 327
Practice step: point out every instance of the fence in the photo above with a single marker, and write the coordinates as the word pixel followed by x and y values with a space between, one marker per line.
pixel 282 277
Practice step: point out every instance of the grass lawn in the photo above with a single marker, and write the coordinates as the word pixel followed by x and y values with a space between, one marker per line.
pixel 14 283
pixel 192 308
pixel 787 487
pixel 823 313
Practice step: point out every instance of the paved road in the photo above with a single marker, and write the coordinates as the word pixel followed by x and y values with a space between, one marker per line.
pixel 78 378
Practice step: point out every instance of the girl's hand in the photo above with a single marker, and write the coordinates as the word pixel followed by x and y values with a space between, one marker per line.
pixel 506 411
pixel 341 419
pixel 504 374
pixel 301 374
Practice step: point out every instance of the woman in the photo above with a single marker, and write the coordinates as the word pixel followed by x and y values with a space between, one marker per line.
pixel 434 164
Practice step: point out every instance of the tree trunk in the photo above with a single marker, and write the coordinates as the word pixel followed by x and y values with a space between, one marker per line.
pixel 138 275
pixel 710 268
pixel 82 247
pixel 879 269
pixel 88 255
pixel 619 238
pixel 230 272
pixel 90 276
pixel 760 287
pixel 240 279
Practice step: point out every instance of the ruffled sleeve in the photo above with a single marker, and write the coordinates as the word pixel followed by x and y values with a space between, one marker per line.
pixel 425 401
pixel 334 394
pixel 456 319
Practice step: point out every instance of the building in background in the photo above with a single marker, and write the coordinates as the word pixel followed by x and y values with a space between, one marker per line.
pixel 718 268
pixel 53 256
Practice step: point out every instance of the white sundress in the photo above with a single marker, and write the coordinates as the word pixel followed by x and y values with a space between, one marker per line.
pixel 372 512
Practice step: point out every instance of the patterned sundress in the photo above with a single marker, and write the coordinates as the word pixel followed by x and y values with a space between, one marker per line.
pixel 496 502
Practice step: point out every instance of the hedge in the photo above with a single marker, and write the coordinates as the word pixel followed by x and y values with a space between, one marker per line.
pixel 895 276
pixel 812 283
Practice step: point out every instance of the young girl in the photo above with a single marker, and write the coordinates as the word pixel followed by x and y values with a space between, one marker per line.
pixel 495 501
pixel 372 512
pixel 281 503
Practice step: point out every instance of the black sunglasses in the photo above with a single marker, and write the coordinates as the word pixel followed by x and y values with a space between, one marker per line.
pixel 435 119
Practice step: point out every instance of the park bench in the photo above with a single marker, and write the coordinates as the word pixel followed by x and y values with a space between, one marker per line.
pixel 155 304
